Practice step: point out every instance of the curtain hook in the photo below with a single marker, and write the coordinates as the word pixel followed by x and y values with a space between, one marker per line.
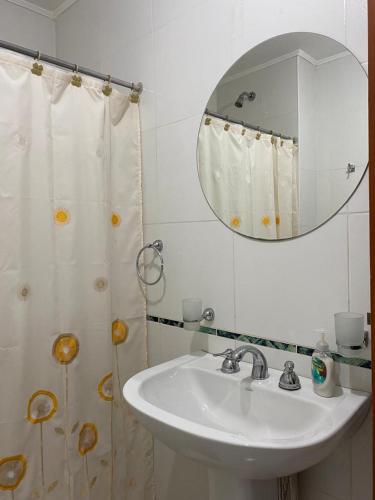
pixel 37 68
pixel 137 89
pixel 107 89
pixel 227 125
pixel 76 80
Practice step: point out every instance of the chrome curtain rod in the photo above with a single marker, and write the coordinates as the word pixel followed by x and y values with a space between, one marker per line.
pixel 136 87
pixel 248 125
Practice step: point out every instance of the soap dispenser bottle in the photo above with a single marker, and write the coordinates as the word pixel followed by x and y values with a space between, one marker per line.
pixel 322 368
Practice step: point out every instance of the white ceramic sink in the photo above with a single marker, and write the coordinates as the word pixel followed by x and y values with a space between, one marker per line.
pixel 252 429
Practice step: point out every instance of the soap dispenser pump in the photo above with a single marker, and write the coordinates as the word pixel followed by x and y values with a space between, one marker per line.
pixel 322 368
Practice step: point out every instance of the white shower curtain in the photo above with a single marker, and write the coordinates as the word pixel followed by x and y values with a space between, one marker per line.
pixel 72 315
pixel 249 179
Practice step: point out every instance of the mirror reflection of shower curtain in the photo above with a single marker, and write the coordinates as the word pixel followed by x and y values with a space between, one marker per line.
pixel 72 316
pixel 249 179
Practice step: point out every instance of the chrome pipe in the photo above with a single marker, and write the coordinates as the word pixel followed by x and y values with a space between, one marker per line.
pixel 136 87
pixel 248 125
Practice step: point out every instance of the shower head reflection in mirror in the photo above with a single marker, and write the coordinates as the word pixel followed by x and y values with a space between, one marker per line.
pixel 283 142
pixel 250 96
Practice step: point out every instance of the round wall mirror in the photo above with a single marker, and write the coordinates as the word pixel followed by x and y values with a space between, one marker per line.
pixel 283 142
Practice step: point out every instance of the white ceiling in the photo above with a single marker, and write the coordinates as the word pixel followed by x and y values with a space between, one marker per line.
pixel 316 46
pixel 48 4
pixel 49 8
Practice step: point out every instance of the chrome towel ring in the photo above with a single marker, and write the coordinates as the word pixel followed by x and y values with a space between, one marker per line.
pixel 157 246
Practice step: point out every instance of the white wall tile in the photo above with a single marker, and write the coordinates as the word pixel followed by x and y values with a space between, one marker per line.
pixel 180 192
pixel 324 476
pixel 23 27
pixel 165 11
pixel 356 28
pixel 315 494
pixel 253 25
pixel 362 462
pixel 288 289
pixel 136 62
pixel 198 260
pixel 79 34
pixel 125 21
pixel 283 290
pixel 154 343
pixel 178 478
pixel 353 377
pixel 177 342
pixel 359 269
pixel 187 63
pixel 359 200
pixel 169 342
pixel 150 187
pixel 276 359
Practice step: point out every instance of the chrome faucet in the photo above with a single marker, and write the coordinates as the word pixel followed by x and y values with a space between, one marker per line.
pixel 231 363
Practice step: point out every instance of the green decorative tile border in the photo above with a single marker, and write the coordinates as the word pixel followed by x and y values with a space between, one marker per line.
pixel 274 344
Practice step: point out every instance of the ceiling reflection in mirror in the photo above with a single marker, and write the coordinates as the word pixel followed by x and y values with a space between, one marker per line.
pixel 283 143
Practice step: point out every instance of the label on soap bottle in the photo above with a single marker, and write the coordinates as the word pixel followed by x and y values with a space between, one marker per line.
pixel 318 370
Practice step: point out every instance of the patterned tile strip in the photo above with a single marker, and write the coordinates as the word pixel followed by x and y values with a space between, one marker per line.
pixel 339 358
pixel 208 330
pixel 155 319
pixel 171 322
pixel 274 344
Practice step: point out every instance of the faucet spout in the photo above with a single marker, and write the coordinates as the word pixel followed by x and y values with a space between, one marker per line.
pixel 260 365
pixel 231 363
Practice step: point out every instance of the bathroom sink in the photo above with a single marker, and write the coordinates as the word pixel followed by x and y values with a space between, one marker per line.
pixel 251 428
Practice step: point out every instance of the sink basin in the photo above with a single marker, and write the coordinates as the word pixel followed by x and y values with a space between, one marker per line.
pixel 250 428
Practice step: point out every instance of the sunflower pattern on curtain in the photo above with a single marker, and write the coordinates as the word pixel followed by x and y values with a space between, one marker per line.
pixel 72 315
pixel 250 179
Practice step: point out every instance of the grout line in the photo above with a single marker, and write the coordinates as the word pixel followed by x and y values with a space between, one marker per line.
pixel 179 120
pixel 348 261
pixel 180 222
pixel 342 214
pixel 234 284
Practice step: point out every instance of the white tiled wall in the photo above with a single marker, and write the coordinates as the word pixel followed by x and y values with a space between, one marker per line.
pixel 23 27
pixel 285 290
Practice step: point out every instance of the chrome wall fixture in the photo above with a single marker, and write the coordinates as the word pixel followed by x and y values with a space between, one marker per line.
pixel 231 363
pixel 350 169
pixel 208 314
pixel 157 246
pixel 250 96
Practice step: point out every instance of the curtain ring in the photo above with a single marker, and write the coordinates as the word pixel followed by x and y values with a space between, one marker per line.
pixel 107 89
pixel 136 90
pixel 37 68
pixel 76 80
